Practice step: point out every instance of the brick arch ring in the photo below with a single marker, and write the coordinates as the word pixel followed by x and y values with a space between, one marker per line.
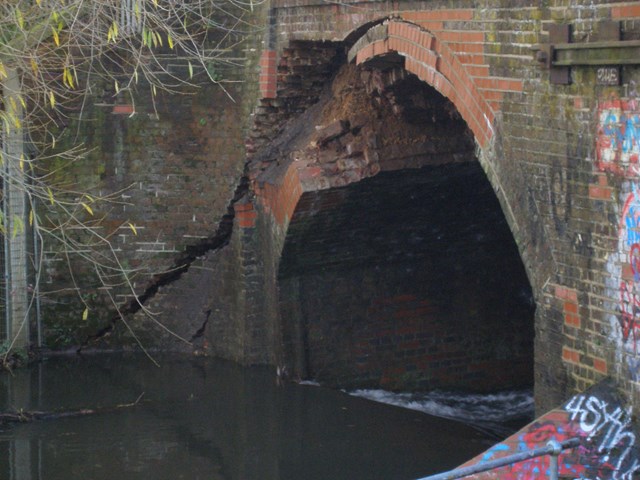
pixel 434 62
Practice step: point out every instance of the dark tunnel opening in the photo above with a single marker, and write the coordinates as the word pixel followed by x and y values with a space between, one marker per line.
pixel 408 280
pixel 398 268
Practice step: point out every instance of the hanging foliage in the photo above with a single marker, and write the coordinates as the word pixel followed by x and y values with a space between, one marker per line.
pixel 59 50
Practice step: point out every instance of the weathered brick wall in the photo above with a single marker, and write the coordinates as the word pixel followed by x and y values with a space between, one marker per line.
pixel 547 150
pixel 171 164
pixel 560 158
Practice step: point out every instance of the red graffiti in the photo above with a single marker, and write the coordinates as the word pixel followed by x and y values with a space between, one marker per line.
pixel 630 311
pixel 634 260
pixel 618 140
pixel 538 435
pixel 630 236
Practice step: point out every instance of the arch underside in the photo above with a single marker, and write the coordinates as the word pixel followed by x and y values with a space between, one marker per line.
pixel 398 268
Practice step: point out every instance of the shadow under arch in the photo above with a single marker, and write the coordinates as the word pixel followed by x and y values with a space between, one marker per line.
pixel 398 268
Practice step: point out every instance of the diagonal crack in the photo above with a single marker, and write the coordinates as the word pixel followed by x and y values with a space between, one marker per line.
pixel 216 241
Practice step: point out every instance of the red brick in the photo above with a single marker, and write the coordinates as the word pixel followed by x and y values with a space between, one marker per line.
pixel 565 293
pixel 602 180
pixel 571 307
pixel 627 272
pixel 570 355
pixel 246 219
pixel 625 11
pixel 600 365
pixel 432 26
pixel 243 207
pixel 600 193
pixel 572 320
pixel 123 109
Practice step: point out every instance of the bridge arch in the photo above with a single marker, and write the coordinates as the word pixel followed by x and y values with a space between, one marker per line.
pixel 347 159
pixel 433 61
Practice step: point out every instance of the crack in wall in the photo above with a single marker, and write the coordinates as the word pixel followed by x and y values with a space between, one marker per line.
pixel 180 266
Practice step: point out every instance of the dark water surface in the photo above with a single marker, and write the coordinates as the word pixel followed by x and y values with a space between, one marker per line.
pixel 206 419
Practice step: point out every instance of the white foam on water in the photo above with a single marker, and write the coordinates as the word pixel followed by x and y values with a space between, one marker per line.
pixel 491 413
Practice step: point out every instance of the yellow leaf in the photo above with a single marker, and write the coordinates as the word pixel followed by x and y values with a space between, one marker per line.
pixel 18 226
pixel 20 19
pixel 56 38
pixel 31 218
pixel 50 193
pixel 34 65
pixel 21 163
pixel 190 70
pixel 89 197
pixel 52 99
pixel 133 228
pixel 87 208
pixel 85 314
pixel 170 41
pixel 7 125
pixel 117 86
pixel 3 71
pixel 67 78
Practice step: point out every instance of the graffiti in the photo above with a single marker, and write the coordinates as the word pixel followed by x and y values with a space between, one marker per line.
pixel 629 287
pixel 540 434
pixel 624 268
pixel 535 436
pixel 629 312
pixel 631 217
pixel 618 152
pixel 607 426
pixel 607 450
pixel 618 139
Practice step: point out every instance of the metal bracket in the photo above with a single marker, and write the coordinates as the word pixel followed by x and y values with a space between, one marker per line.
pixel 607 52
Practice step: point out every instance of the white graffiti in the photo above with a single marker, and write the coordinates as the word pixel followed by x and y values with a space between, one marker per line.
pixel 609 428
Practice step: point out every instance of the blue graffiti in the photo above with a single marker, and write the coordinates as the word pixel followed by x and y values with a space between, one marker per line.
pixel 632 218
pixel 630 141
pixel 612 130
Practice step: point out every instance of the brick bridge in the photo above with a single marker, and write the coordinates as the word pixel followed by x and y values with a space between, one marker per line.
pixel 425 203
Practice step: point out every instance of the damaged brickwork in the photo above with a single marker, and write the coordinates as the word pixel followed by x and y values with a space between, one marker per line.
pixel 364 103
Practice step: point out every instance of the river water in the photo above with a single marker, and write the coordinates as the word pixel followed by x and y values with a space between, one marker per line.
pixel 199 418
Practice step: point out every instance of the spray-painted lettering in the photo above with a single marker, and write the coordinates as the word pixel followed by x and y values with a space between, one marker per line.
pixel 608 428
pixel 618 144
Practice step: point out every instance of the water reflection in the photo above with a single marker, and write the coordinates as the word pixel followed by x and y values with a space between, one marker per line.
pixel 204 419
